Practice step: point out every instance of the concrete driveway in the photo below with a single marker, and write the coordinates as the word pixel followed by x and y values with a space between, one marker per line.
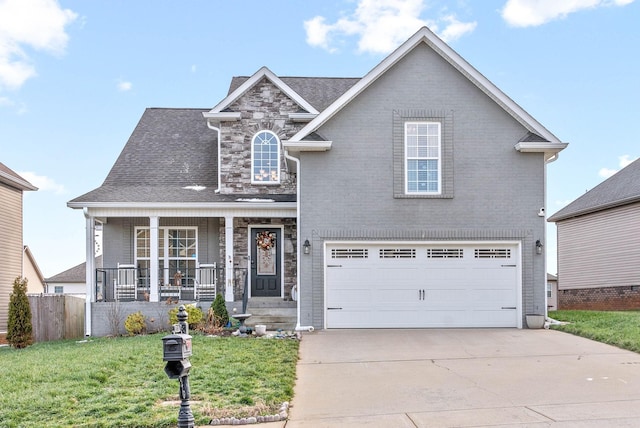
pixel 463 378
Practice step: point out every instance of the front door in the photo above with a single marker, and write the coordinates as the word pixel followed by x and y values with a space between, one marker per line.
pixel 265 262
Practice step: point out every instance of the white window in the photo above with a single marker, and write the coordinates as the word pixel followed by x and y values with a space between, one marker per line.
pixel 265 158
pixel 422 157
pixel 58 289
pixel 177 252
pixel 549 289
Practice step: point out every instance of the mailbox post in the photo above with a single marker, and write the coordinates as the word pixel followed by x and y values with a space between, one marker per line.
pixel 176 349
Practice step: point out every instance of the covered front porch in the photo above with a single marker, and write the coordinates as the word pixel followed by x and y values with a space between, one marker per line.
pixel 186 256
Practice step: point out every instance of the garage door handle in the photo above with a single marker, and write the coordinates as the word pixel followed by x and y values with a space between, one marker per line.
pixel 334 309
pixel 508 307
pixel 508 265
pixel 334 265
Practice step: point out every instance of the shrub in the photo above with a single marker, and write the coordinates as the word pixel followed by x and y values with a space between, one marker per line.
pixel 19 327
pixel 194 316
pixel 220 310
pixel 136 323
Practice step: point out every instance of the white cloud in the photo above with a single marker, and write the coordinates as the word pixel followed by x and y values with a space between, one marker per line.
pixel 124 86
pixel 35 24
pixel 42 183
pixel 531 13
pixel 194 68
pixel 382 25
pixel 623 161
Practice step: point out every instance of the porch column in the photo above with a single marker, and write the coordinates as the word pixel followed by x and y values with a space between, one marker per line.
pixel 153 263
pixel 90 274
pixel 228 252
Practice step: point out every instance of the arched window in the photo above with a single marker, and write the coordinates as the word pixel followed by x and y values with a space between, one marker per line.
pixel 265 158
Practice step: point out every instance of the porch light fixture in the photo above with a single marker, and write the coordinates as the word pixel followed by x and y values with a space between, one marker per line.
pixel 538 247
pixel 306 247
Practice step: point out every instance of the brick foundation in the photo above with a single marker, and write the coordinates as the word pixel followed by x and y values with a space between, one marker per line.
pixel 600 299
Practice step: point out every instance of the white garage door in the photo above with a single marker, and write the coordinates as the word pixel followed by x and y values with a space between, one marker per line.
pixel 422 285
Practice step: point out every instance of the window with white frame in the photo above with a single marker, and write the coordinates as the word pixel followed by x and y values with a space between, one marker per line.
pixel 177 253
pixel 422 142
pixel 265 158
pixel 58 289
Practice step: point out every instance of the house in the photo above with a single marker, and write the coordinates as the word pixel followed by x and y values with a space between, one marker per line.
pixel 12 187
pixel 598 238
pixel 409 197
pixel 31 271
pixel 72 281
pixel 552 292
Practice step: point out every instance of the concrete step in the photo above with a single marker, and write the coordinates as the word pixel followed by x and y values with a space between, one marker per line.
pixel 273 312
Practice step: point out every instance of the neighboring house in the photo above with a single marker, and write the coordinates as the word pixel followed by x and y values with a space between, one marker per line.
pixel 72 281
pixel 31 271
pixel 552 292
pixel 406 198
pixel 12 187
pixel 599 245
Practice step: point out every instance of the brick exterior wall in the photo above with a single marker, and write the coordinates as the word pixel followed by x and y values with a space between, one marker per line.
pixel 600 299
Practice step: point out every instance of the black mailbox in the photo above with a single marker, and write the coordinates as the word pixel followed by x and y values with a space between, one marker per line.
pixel 176 347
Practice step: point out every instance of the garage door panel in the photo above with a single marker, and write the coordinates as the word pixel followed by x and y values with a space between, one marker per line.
pixel 422 285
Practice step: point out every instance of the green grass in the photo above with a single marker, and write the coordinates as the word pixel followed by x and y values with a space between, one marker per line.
pixel 621 329
pixel 110 382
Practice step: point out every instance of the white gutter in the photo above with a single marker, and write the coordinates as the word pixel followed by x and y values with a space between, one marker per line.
pixel 210 126
pixel 297 161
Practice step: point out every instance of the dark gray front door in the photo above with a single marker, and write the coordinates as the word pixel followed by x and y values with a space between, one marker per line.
pixel 265 262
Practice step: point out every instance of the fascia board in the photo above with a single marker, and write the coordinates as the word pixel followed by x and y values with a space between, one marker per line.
pixel 257 76
pixel 424 35
pixel 307 146
pixel 225 116
pixel 550 150
pixel 17 182
pixel 181 205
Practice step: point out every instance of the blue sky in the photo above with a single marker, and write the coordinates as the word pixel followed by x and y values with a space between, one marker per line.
pixel 75 77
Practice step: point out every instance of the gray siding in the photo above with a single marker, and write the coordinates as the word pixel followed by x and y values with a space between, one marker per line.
pixel 495 192
pixel 600 249
pixel 11 248
pixel 119 235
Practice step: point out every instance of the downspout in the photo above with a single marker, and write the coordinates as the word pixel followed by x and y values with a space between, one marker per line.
pixel 297 161
pixel 210 126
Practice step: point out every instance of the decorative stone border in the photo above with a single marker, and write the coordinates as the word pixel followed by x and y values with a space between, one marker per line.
pixel 281 416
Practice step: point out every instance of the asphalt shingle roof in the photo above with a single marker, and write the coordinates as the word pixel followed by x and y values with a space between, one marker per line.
pixel 320 92
pixel 620 189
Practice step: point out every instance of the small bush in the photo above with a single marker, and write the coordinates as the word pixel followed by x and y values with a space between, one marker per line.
pixel 220 310
pixel 19 326
pixel 194 316
pixel 136 323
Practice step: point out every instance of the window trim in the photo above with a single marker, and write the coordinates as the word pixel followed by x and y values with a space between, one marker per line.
pixel 408 158
pixel 446 120
pixel 253 158
pixel 163 256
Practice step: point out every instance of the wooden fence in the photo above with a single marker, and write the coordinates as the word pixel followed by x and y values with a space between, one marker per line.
pixel 56 316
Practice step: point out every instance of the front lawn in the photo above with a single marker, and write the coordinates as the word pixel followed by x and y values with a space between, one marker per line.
pixel 106 382
pixel 621 329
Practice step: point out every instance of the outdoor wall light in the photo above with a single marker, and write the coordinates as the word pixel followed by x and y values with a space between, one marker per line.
pixel 538 247
pixel 306 247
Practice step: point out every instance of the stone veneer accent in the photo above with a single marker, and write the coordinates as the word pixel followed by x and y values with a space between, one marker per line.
pixel 600 299
pixel 241 261
pixel 263 107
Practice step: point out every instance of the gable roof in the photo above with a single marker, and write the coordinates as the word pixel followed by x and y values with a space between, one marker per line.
pixel 548 143
pixel 320 92
pixel 218 111
pixel 10 178
pixel 622 188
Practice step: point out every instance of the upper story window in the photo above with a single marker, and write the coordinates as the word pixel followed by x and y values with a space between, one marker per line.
pixel 422 141
pixel 265 158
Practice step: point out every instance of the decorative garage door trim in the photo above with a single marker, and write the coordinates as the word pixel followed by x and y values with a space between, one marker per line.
pixel 428 284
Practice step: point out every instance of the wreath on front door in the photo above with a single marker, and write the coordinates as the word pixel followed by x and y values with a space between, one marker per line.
pixel 266 240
